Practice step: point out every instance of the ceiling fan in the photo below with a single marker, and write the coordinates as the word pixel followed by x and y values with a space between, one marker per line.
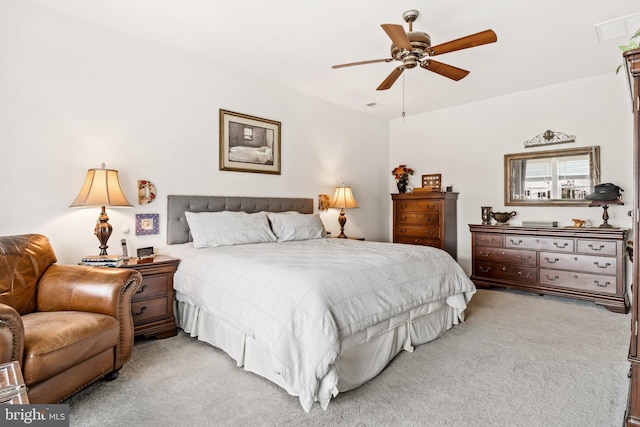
pixel 414 49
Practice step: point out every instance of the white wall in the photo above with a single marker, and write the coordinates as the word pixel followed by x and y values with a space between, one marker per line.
pixel 466 144
pixel 74 95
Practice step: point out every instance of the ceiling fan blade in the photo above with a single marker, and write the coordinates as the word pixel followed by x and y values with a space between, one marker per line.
pixel 391 78
pixel 371 61
pixel 454 73
pixel 397 35
pixel 477 39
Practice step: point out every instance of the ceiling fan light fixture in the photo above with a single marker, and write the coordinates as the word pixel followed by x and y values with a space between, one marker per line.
pixel 413 48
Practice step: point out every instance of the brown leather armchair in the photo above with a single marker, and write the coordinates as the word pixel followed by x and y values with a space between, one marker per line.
pixel 67 325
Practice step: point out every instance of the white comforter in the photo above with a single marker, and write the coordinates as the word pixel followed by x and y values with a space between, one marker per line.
pixel 299 299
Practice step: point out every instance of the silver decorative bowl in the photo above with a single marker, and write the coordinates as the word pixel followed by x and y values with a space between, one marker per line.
pixel 503 217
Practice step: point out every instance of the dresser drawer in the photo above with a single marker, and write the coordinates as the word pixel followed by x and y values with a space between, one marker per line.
pixel 152 286
pixel 586 263
pixel 510 272
pixel 417 206
pixel 418 231
pixel 413 240
pixel 597 247
pixel 506 256
pixel 486 239
pixel 148 309
pixel 425 218
pixel 539 243
pixel 583 281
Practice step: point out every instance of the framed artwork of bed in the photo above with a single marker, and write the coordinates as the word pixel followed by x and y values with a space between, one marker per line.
pixel 249 143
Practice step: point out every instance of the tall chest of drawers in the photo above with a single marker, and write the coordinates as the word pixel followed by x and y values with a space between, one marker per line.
pixel 426 218
pixel 582 263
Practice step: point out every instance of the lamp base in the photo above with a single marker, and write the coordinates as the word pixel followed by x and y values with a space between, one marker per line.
pixel 342 220
pixel 103 231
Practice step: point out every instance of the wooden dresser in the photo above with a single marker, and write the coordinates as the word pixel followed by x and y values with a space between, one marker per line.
pixel 584 263
pixel 426 218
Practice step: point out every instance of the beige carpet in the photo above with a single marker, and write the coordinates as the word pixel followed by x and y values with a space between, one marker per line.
pixel 518 360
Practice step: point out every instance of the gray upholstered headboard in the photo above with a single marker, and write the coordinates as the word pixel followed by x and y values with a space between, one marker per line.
pixel 178 229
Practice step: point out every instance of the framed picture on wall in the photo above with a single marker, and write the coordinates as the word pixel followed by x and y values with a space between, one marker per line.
pixel 249 144
pixel 147 224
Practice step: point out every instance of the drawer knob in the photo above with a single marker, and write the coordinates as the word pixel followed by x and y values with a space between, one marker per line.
pixel 597 264
pixel 596 249
pixel 560 245
pixel 142 310
pixel 142 289
pixel 550 261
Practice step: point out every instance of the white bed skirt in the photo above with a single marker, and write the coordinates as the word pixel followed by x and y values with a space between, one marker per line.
pixel 362 357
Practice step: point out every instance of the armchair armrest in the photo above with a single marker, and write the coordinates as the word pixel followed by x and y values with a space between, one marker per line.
pixel 92 289
pixel 11 335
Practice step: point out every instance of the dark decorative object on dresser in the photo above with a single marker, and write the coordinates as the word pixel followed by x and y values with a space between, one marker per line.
pixel 426 218
pixel 584 263
pixel 632 64
pixel 152 304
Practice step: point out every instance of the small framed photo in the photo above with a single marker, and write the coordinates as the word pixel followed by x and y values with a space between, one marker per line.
pixel 249 144
pixel 432 182
pixel 147 224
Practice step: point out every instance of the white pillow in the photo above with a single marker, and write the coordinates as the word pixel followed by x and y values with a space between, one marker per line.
pixel 291 226
pixel 211 229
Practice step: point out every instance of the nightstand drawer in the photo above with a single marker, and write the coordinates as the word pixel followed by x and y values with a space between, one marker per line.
pixel 148 309
pixel 152 286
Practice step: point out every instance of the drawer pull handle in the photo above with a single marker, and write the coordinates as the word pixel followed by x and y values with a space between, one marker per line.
pixel 513 242
pixel 142 289
pixel 140 312
pixel 521 274
pixel 596 249
pixel 551 262
pixel 597 282
pixel 552 278
pixel 597 264
pixel 484 270
pixel 484 254
pixel 557 245
pixel 523 258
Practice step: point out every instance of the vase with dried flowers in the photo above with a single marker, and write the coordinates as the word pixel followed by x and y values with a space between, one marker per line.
pixel 402 173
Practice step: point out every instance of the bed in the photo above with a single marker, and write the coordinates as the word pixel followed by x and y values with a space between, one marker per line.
pixel 245 154
pixel 315 315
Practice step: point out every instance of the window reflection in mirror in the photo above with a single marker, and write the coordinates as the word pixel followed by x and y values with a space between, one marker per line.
pixel 556 177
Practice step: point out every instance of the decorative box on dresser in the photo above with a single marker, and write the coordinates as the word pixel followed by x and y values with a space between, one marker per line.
pixel 426 218
pixel 584 263
pixel 152 304
pixel 632 62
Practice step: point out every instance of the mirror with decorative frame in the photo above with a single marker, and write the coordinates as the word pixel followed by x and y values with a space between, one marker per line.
pixel 551 178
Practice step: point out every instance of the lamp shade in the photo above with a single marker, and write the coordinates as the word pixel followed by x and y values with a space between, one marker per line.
pixel 343 198
pixel 101 188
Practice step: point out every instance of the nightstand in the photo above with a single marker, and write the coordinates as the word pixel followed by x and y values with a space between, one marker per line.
pixel 152 304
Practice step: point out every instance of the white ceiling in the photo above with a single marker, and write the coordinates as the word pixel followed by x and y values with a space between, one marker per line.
pixel 294 43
